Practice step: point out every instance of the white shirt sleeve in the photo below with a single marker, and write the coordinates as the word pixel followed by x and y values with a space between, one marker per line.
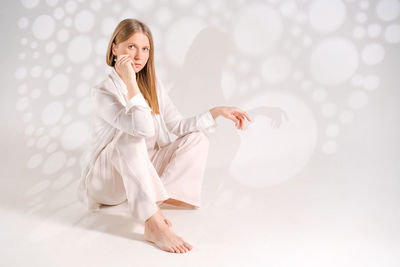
pixel 137 100
pixel 179 125
pixel 134 119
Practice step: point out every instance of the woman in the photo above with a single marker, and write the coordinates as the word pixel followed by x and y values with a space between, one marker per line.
pixel 142 149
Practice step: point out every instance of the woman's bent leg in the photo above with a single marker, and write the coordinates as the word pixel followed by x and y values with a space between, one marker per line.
pixel 181 167
pixel 133 174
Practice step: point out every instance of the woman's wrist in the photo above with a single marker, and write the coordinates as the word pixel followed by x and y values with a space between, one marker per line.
pixel 133 89
pixel 215 112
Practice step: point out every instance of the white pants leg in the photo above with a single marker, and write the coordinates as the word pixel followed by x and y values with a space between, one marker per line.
pixel 129 168
pixel 181 166
pixel 124 171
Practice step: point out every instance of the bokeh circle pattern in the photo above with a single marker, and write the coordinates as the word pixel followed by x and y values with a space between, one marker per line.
pixel 316 50
pixel 43 27
pixel 334 61
pixel 257 30
pixel 326 16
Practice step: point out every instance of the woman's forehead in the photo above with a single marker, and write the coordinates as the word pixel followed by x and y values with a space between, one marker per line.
pixel 139 39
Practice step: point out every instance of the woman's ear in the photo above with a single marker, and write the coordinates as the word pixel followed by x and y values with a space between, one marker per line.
pixel 114 47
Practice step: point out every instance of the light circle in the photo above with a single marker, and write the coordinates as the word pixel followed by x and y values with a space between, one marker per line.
pixel 141 5
pixel 29 3
pixel 79 49
pixel 84 21
pixel 257 30
pixel 75 135
pixel 327 15
pixel 54 162
pixel 334 61
pixel 58 13
pixel 373 54
pixel 43 27
pixel 276 69
pixel 21 73
pixel 371 82
pixel 388 10
pixel 392 33
pixel 58 85
pixel 70 6
pixel 34 161
pixel 52 113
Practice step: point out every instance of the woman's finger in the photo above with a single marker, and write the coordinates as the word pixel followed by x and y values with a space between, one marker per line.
pixel 247 116
pixel 239 119
pixel 243 113
pixel 241 122
pixel 121 61
pixel 233 118
pixel 125 59
pixel 238 114
pixel 121 57
pixel 128 62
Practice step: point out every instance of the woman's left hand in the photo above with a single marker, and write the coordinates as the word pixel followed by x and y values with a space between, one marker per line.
pixel 235 114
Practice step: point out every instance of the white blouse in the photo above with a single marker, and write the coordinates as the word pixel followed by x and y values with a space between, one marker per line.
pixel 112 113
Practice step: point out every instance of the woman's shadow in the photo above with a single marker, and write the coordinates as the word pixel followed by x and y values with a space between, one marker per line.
pixel 198 88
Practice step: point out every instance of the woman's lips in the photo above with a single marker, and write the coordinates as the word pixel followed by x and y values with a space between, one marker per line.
pixel 137 65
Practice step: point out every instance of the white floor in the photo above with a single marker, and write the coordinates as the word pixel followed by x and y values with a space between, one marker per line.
pixel 309 221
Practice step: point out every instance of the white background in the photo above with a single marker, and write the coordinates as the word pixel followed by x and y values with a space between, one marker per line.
pixel 320 189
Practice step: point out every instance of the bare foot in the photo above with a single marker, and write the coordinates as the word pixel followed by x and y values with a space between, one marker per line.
pixel 168 222
pixel 157 231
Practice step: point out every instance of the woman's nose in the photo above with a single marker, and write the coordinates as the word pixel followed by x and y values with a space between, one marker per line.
pixel 138 55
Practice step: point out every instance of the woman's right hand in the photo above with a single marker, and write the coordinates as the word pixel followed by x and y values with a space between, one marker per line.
pixel 124 67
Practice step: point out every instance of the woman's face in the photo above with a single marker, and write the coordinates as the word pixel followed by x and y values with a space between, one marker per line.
pixel 137 47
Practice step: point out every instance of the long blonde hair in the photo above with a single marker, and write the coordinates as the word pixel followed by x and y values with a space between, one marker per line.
pixel 146 78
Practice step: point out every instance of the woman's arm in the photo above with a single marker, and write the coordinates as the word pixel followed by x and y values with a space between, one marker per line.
pixel 134 119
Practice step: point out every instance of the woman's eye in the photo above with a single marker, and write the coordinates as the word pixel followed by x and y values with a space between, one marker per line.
pixel 132 46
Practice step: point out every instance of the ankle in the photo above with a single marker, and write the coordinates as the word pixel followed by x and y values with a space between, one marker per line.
pixel 155 221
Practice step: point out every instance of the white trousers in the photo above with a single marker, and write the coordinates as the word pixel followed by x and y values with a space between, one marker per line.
pixel 135 169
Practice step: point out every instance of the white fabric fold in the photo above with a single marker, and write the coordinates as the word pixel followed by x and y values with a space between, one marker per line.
pixel 137 100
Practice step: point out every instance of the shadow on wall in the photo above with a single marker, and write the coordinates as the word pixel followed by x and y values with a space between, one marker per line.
pixel 198 88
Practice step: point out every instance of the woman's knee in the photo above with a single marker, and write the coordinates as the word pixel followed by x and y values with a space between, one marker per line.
pixel 131 145
pixel 107 192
